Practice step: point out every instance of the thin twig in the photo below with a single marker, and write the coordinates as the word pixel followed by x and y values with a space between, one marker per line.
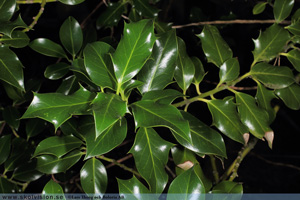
pixel 119 161
pixel 275 163
pixel 237 21
pixel 34 1
pixel 2 127
pixel 83 23
pixel 119 164
pixel 214 168
pixel 170 171
pixel 36 18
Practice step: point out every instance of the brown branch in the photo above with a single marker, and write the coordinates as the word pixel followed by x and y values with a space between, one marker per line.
pixel 2 127
pixel 119 161
pixel 237 21
pixel 83 23
pixel 275 163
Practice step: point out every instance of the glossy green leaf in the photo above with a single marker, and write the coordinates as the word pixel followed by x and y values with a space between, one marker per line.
pixel 294 57
pixel 158 71
pixel 13 93
pixel 70 127
pixel 48 48
pixel 5 146
pixel 18 39
pixel 214 46
pixel 184 70
pixel 93 177
pixel 295 16
pixel 98 64
pixel 7 9
pixel 275 77
pixel 205 140
pixel 108 140
pixel 27 172
pixel 52 188
pixel 7 186
pixel 133 50
pixel 199 70
pixel 34 127
pixel 71 2
pixel 57 108
pixel 185 156
pixel 186 186
pixel 11 69
pixel 162 27
pixel 11 115
pixel 50 164
pixel 58 146
pixel 290 96
pixel 151 153
pixel 263 98
pixel 229 70
pixel 145 9
pixel 7 27
pixel 68 86
pixel 162 96
pixel 129 86
pixel 134 16
pixel 228 187
pixel 112 15
pixel 259 8
pixel 19 155
pixel 80 72
pixel 282 9
pixel 150 114
pixel 107 110
pixel 256 119
pixel 70 35
pixel 294 28
pixel 56 71
pixel 132 189
pixel 226 119
pixel 269 43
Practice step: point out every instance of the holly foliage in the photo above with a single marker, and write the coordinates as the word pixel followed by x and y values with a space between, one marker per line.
pixel 133 88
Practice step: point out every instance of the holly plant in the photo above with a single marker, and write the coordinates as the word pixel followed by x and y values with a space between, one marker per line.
pixel 127 92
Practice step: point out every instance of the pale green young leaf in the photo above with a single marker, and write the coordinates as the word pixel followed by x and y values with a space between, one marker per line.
pixel 259 8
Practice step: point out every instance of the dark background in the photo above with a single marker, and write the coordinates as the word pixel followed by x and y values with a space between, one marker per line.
pixel 260 171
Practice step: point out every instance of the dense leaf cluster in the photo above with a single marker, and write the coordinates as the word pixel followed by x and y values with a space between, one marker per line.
pixel 146 78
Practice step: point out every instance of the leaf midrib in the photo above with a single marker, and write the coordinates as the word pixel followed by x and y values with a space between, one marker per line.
pixel 250 111
pixel 163 119
pixel 130 56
